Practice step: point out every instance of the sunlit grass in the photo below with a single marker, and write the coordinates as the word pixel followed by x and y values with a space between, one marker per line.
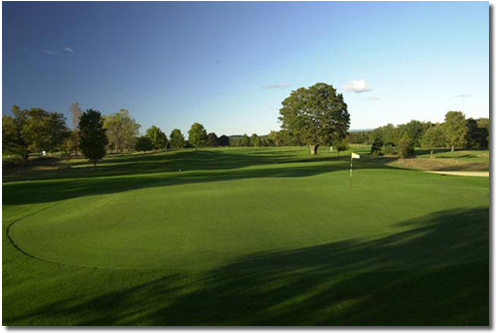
pixel 244 236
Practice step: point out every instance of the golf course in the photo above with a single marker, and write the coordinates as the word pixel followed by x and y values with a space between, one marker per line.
pixel 247 236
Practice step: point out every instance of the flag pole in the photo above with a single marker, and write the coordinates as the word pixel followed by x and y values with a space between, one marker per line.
pixel 353 156
pixel 350 176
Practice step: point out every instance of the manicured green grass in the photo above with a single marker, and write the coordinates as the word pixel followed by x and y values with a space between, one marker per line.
pixel 244 236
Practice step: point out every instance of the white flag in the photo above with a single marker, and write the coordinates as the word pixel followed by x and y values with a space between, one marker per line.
pixel 354 155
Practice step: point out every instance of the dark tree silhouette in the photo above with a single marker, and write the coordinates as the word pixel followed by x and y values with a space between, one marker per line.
pixel 92 135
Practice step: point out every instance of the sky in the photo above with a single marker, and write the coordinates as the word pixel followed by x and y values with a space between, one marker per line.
pixel 229 65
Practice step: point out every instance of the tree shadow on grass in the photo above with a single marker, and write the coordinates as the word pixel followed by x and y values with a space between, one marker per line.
pixel 215 166
pixel 144 163
pixel 437 273
pixel 172 161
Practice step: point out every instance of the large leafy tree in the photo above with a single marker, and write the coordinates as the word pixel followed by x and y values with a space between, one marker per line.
pixel 177 139
pixel 223 140
pixel 197 135
pixel 144 143
pixel 13 142
pixel 245 140
pixel 484 125
pixel 157 137
pixel 433 138
pixel 405 146
pixel 212 140
pixel 272 139
pixel 475 136
pixel 255 140
pixel 57 131
pixel 122 130
pixel 285 138
pixel 415 130
pixel 33 130
pixel 377 144
pixel 92 135
pixel 387 134
pixel 235 141
pixel 455 128
pixel 315 115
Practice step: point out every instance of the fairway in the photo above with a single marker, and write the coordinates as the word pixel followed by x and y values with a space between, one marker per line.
pixel 246 164
pixel 244 236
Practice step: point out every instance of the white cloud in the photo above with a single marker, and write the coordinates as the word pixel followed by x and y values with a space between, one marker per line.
pixel 462 95
pixel 68 49
pixel 357 86
pixel 281 85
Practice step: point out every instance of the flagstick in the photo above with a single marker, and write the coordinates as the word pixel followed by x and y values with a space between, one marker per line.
pixel 353 156
pixel 350 176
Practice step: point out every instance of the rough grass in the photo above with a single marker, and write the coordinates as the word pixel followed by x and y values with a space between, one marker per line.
pixel 440 164
pixel 445 160
pixel 267 236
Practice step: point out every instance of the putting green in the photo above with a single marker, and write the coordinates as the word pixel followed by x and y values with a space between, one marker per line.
pixel 210 224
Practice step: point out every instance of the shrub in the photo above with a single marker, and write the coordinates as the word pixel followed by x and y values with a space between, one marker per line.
pixel 389 149
pixel 144 143
pixel 376 147
pixel 405 147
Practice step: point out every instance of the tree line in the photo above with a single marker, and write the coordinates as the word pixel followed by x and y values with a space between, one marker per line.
pixel 456 131
pixel 33 131
pixel 273 139
pixel 311 116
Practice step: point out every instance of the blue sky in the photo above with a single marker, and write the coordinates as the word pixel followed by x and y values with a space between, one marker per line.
pixel 228 65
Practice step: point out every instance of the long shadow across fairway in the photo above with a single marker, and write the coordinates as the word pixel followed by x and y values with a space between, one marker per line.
pixel 196 167
pixel 171 161
pixel 346 283
pixel 190 160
